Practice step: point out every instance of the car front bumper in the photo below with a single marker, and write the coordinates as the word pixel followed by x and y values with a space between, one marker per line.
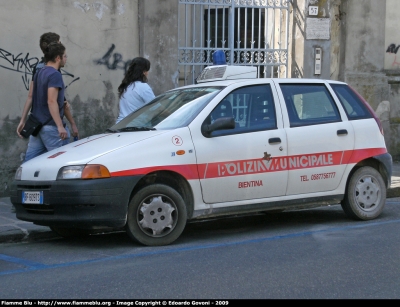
pixel 76 203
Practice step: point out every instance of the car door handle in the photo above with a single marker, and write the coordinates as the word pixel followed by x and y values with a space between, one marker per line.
pixel 342 132
pixel 274 141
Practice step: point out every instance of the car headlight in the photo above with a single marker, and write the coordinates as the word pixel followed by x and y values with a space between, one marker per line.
pixel 90 171
pixel 18 173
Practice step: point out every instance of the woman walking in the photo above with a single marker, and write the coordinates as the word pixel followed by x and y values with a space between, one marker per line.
pixel 134 92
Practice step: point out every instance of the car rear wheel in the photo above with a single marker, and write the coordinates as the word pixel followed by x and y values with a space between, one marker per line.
pixel 366 194
pixel 156 215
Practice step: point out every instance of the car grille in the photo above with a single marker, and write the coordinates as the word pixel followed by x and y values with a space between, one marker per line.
pixel 39 209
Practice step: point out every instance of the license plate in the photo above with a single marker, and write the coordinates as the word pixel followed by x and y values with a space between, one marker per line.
pixel 32 197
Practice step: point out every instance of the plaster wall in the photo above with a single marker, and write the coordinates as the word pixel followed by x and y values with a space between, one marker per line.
pixel 392 36
pixel 364 57
pixel 392 69
pixel 101 37
pixel 158 24
pixel 337 24
pixel 365 40
pixel 297 39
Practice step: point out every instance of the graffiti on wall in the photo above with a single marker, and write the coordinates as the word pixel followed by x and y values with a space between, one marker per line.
pixel 24 65
pixel 392 48
pixel 66 73
pixel 113 60
pixel 19 63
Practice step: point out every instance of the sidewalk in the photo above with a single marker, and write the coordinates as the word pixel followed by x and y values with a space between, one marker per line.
pixel 14 230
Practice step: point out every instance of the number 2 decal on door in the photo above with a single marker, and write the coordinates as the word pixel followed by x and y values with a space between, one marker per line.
pixel 177 140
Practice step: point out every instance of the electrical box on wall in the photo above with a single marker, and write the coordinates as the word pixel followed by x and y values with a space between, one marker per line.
pixel 318 59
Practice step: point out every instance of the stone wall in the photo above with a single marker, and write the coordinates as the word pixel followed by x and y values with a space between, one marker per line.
pixel 394 117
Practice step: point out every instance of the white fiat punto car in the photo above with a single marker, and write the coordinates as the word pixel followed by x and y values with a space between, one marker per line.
pixel 223 146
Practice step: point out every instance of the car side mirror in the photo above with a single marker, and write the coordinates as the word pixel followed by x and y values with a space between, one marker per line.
pixel 219 124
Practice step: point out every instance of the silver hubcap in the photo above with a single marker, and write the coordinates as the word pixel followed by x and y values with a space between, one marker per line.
pixel 157 216
pixel 368 194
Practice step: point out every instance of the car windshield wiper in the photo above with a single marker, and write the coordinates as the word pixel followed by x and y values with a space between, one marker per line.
pixel 111 130
pixel 136 129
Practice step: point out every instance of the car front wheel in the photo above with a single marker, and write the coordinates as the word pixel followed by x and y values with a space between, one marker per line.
pixel 366 194
pixel 156 215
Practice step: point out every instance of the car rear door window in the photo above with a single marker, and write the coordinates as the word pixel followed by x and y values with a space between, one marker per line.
pixel 309 104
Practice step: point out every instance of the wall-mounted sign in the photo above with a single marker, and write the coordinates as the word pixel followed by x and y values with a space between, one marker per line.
pixel 318 28
pixel 313 10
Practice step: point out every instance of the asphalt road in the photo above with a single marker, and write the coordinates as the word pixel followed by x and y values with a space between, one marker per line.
pixel 309 254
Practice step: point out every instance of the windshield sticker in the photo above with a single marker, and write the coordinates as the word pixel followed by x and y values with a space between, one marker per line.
pixel 56 154
pixel 177 140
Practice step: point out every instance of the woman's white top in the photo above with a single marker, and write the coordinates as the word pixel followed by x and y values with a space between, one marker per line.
pixel 136 96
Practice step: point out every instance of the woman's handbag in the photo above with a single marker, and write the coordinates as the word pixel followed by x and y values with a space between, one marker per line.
pixel 32 127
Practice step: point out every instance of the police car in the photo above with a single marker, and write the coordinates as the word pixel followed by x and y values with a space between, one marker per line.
pixel 229 144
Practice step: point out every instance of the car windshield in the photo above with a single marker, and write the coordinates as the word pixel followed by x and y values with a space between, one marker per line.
pixel 171 110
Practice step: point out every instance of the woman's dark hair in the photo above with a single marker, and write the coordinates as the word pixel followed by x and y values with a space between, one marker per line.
pixel 52 51
pixel 47 38
pixel 135 73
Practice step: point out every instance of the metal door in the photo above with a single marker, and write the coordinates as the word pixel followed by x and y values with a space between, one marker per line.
pixel 250 32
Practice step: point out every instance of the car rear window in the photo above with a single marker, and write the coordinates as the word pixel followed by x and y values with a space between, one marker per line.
pixel 352 104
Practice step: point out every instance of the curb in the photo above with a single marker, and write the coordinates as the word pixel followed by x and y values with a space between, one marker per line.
pixel 19 236
pixel 393 192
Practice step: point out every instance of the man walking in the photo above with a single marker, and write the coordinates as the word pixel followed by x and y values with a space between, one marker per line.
pixel 48 103
pixel 45 39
